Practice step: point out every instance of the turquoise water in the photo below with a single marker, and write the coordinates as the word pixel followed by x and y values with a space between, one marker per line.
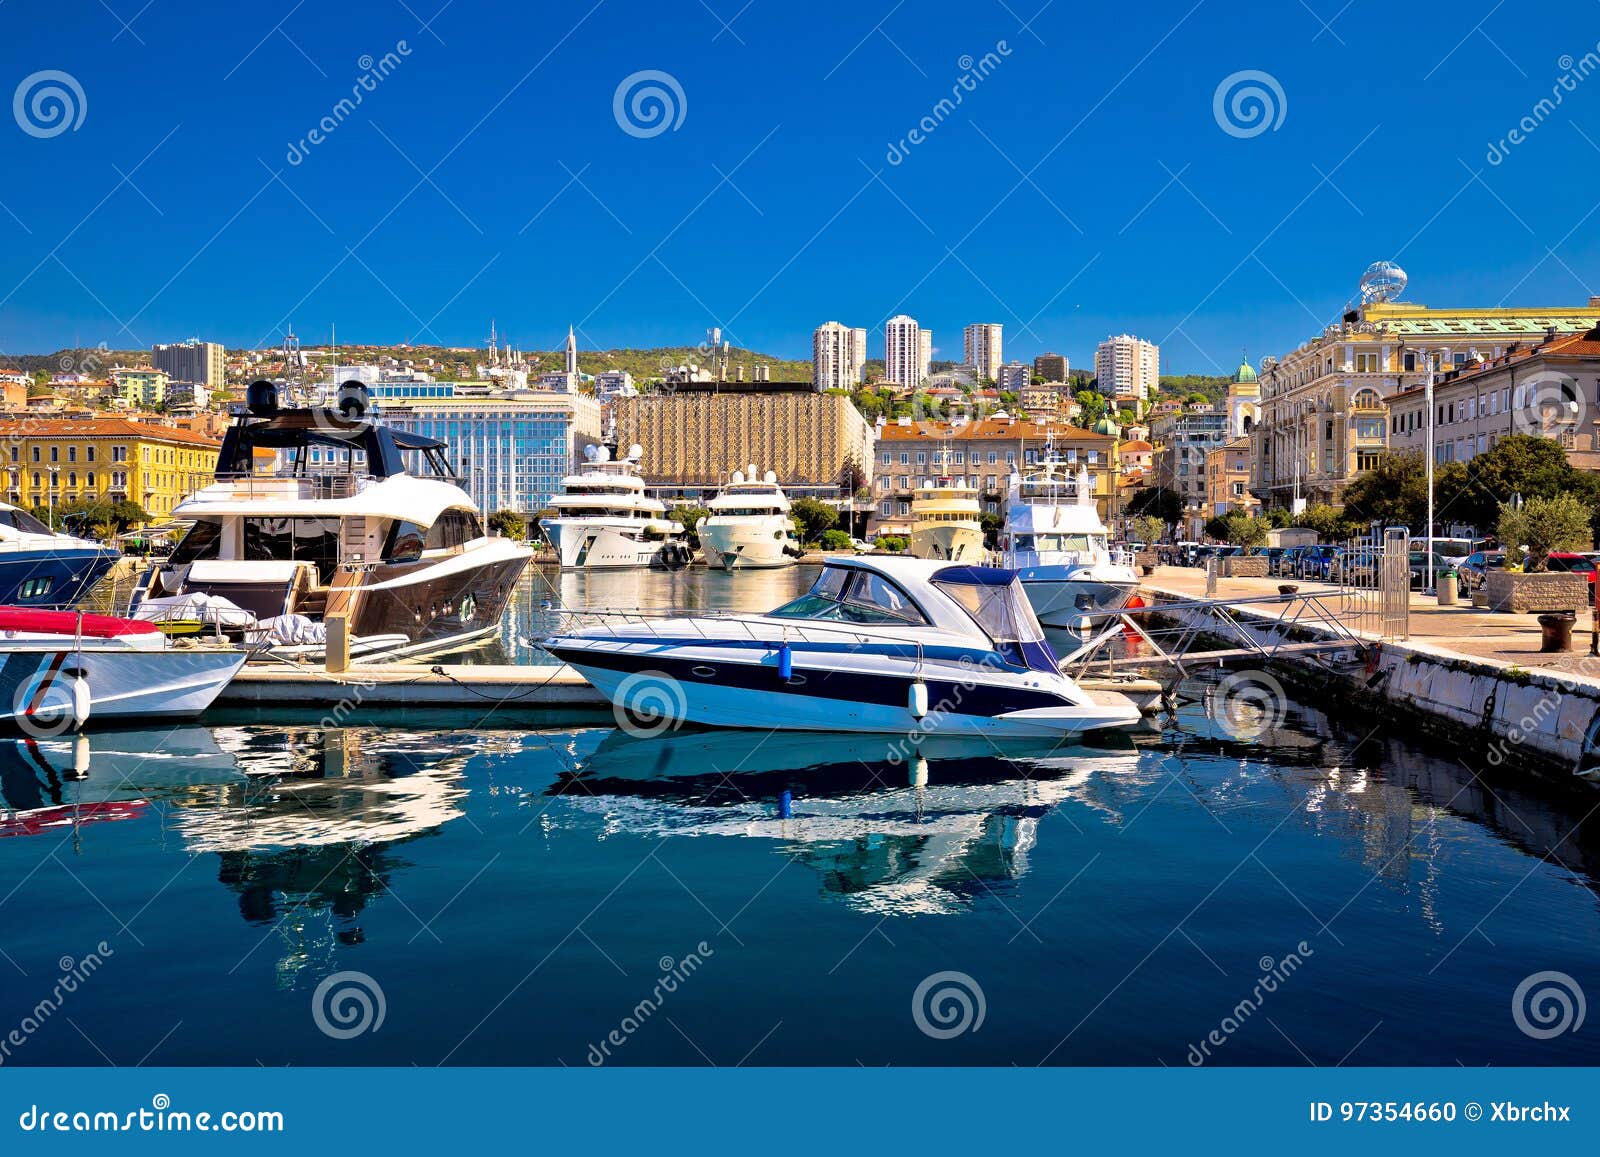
pixel 1322 893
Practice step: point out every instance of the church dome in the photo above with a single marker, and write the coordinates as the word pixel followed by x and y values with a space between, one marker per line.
pixel 1245 373
pixel 1107 426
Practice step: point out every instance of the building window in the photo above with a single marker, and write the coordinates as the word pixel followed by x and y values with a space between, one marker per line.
pixel 1411 363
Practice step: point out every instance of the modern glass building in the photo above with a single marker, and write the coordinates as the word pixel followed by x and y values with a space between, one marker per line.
pixel 510 452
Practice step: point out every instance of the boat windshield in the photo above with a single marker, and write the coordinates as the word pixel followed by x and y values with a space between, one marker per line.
pixel 843 595
pixel 997 603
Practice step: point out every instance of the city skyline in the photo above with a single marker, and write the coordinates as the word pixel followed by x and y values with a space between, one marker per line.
pixel 383 226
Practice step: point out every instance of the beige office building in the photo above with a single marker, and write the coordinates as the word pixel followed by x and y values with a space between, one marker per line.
pixel 697 439
pixel 980 349
pixel 1324 415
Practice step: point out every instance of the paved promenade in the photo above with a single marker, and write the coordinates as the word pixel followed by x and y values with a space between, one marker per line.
pixel 1511 640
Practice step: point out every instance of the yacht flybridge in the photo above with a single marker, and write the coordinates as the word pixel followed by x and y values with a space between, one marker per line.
pixel 604 519
pixel 749 525
pixel 1055 541
pixel 313 513
pixel 879 644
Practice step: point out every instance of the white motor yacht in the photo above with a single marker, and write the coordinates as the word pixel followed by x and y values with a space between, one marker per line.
pixel 1055 541
pixel 879 644
pixel 603 518
pixel 313 512
pixel 749 525
pixel 945 523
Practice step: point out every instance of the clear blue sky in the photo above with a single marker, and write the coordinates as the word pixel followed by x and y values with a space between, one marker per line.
pixel 1084 186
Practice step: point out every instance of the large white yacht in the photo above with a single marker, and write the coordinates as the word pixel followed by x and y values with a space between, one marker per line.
pixel 604 518
pixel 313 513
pixel 945 522
pixel 749 525
pixel 1055 541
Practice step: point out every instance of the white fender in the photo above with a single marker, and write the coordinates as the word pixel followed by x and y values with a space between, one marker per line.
pixel 80 701
pixel 917 699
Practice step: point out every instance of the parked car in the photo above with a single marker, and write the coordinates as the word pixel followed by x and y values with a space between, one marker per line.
pixel 1354 567
pixel 1473 569
pixel 1314 562
pixel 1419 569
pixel 1288 563
pixel 1572 562
pixel 1272 555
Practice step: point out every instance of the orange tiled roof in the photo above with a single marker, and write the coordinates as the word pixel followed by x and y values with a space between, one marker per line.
pixel 1137 446
pixel 103 428
pixel 1585 344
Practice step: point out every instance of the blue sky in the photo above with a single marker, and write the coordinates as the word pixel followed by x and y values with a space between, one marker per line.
pixel 1084 186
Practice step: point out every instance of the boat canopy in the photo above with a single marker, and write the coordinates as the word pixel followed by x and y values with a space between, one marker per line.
pixel 996 601
pixel 302 429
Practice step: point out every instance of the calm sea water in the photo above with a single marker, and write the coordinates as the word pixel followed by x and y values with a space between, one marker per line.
pixel 383 894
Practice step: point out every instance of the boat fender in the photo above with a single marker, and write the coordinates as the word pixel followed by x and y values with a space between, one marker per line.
pixel 79 690
pixel 80 756
pixel 917 699
pixel 785 663
pixel 919 772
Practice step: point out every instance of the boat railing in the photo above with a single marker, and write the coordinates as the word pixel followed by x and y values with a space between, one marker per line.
pixel 577 618
pixel 250 486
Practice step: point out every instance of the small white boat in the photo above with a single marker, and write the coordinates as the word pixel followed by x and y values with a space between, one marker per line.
pixel 61 669
pixel 1056 543
pixel 604 519
pixel 749 526
pixel 945 523
pixel 879 644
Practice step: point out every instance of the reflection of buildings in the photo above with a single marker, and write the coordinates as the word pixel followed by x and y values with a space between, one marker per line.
pixel 928 834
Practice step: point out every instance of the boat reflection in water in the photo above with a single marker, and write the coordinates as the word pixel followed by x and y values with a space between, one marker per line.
pixel 889 826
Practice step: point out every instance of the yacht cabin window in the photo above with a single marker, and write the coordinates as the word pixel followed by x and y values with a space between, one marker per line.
pixel 842 594
pixel 23 521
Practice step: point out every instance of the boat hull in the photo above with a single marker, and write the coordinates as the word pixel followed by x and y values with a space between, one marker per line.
pixel 581 545
pixel 661 692
pixel 174 683
pixel 51 578
pixel 951 542
pixel 758 545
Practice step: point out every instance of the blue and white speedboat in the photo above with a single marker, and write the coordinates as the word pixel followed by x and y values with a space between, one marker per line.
pixel 40 568
pixel 879 644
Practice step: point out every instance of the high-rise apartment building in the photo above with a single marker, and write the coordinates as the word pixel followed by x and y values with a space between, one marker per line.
pixel 194 361
pixel 1128 368
pixel 907 349
pixel 1013 376
pixel 980 349
pixel 838 356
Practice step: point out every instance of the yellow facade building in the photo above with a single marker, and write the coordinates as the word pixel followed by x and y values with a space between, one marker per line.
pixel 71 461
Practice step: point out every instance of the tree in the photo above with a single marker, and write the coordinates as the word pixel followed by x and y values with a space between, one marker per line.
pixel 1092 407
pixel 1330 522
pixel 509 523
pixel 1518 464
pixel 836 540
pixel 1197 399
pixel 992 525
pixel 1396 492
pixel 811 518
pixel 1540 525
pixel 1165 504
pixel 890 542
pixel 690 517
pixel 1147 528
